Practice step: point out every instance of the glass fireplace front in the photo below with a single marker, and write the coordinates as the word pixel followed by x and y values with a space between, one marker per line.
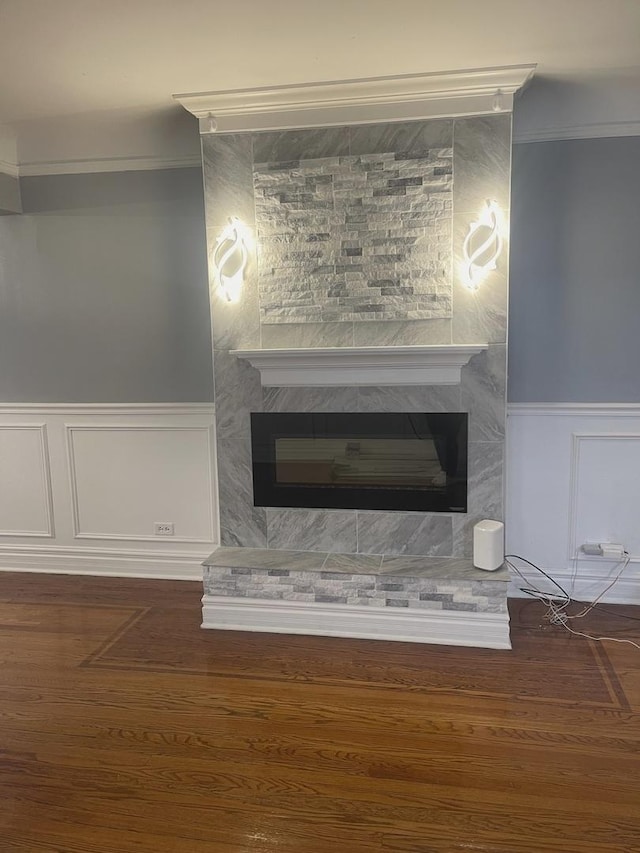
pixel 397 461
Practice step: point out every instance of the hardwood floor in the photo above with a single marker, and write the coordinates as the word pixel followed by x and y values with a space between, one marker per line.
pixel 124 727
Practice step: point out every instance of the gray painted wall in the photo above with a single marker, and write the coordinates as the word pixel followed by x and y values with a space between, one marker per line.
pixel 104 290
pixel 575 272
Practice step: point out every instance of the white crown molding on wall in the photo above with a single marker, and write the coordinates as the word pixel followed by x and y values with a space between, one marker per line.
pixel 595 130
pixel 106 164
pixel 374 99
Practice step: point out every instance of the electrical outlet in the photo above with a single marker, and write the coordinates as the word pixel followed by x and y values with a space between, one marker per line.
pixel 163 528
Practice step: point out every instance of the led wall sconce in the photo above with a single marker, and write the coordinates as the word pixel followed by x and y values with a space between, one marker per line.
pixel 230 258
pixel 483 245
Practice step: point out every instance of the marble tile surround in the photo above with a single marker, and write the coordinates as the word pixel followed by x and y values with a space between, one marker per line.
pixel 481 169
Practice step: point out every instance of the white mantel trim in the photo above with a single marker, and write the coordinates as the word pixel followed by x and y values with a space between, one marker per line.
pixel 373 99
pixel 452 628
pixel 357 366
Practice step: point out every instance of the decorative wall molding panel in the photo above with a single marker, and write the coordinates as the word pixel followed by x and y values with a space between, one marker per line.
pixel 487 630
pixel 572 478
pixel 108 474
pixel 344 102
pixel 359 366
pixel 26 499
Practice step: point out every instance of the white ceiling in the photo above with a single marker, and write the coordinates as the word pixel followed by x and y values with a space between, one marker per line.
pixel 72 58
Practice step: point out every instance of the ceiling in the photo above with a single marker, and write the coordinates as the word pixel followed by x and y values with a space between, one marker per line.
pixel 64 60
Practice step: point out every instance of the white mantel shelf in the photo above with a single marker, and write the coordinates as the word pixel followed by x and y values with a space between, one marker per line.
pixel 353 366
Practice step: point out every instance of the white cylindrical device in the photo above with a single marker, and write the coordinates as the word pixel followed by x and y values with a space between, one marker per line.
pixel 488 545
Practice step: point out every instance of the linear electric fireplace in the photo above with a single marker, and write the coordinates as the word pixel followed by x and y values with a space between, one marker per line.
pixel 399 460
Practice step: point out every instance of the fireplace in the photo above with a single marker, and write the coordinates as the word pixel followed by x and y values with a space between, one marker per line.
pixel 395 461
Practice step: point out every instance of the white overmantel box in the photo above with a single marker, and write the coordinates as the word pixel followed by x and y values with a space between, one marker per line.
pixel 356 366
pixel 408 97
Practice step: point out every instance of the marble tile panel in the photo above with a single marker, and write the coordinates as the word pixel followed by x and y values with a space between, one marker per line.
pixel 228 179
pixel 238 393
pixel 483 394
pixel 402 332
pixel 353 563
pixel 312 530
pixel 287 145
pixel 263 558
pixel 336 399
pixel 291 335
pixel 412 137
pixel 481 162
pixel 484 493
pixel 479 316
pixel 241 523
pixel 453 569
pixel 409 398
pixel 404 533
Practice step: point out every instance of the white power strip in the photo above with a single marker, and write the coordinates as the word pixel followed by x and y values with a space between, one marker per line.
pixel 608 550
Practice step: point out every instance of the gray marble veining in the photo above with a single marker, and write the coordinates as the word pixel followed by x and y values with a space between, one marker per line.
pixel 312 529
pixel 238 393
pixel 263 558
pixel 481 162
pixel 441 569
pixel 484 493
pixel 228 178
pixel 353 563
pixel 412 137
pixel 280 146
pixel 409 398
pixel 241 523
pixel 405 533
pixel 310 400
pixel 397 333
pixel 293 335
pixel 483 394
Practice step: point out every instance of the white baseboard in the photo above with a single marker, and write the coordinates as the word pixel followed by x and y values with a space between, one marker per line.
pixel 443 627
pixel 107 562
pixel 588 584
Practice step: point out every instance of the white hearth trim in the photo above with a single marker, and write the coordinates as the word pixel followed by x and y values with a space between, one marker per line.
pixel 353 366
pixel 374 99
pixel 444 627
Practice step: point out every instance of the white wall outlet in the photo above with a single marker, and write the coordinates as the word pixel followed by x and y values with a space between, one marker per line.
pixel 163 528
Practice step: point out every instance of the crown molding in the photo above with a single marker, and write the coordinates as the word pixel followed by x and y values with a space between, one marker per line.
pixel 8 168
pixel 373 99
pixel 105 164
pixel 594 130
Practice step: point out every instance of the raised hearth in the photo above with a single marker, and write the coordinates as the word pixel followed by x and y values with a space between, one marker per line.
pixel 414 599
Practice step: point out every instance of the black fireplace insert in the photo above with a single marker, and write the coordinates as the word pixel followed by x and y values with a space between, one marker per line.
pixel 393 460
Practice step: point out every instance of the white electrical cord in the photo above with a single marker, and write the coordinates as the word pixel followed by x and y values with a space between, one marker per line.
pixel 556 606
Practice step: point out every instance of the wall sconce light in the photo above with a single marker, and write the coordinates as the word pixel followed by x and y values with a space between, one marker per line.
pixel 482 245
pixel 230 258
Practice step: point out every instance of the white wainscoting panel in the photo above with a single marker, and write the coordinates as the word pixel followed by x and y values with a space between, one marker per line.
pixel 107 473
pixel 573 476
pixel 124 479
pixel 25 494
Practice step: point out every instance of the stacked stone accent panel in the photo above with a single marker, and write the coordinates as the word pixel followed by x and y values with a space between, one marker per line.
pixel 351 238
pixel 367 590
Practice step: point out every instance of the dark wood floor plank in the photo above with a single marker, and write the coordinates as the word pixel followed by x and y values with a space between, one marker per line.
pixel 124 727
